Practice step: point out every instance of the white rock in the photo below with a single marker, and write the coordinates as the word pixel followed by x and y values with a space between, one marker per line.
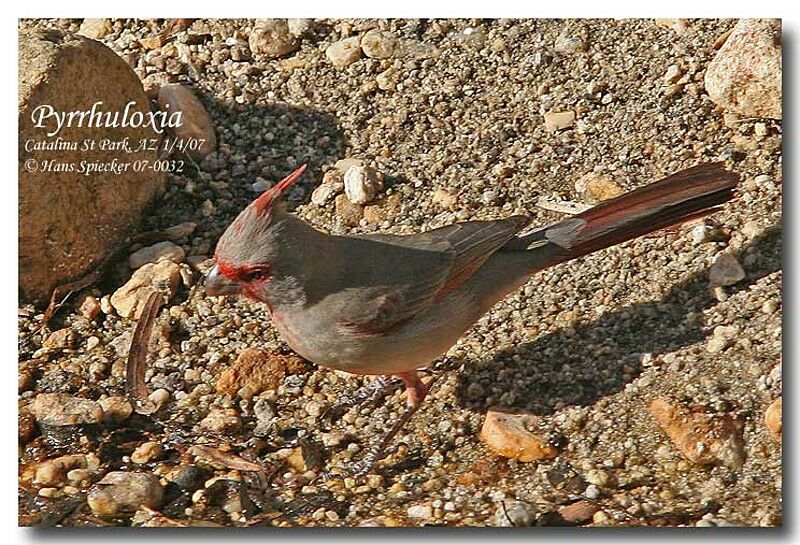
pixel 362 184
pixel 344 52
pixel 421 511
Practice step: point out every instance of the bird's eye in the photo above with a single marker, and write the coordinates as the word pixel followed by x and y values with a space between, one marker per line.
pixel 256 273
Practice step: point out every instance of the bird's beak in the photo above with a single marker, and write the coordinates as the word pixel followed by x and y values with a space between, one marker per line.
pixel 217 284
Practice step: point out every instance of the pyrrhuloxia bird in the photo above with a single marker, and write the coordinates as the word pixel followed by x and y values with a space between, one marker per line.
pixel 389 305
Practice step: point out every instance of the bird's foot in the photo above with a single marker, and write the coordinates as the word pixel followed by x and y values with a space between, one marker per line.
pixel 369 394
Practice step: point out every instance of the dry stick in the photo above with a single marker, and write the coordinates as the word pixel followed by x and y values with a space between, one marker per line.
pixel 137 356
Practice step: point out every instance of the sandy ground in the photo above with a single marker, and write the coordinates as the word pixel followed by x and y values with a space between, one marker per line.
pixel 587 345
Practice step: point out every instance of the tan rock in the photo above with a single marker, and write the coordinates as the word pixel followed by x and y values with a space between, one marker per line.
pixel 258 370
pixel 678 26
pixel 116 410
pixel 554 121
pixel 379 44
pixel 54 472
pixel 62 409
pixel 96 212
pixel 774 417
pixel 96 28
pixel 594 188
pixel 61 338
pixel 444 198
pixel 702 438
pixel 745 75
pixel 26 427
pixel 350 214
pixel 89 307
pixel 222 420
pixel 164 277
pixel 271 38
pixel 146 452
pixel 196 125
pixel 514 435
pixel 122 492
pixel 725 270
pixel 344 52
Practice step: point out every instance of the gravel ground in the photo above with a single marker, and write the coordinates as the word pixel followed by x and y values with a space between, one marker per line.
pixel 587 346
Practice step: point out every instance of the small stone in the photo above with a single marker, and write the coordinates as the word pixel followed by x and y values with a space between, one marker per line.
pixel 196 129
pixel 80 477
pixel 702 438
pixel 554 121
pixel 760 129
pixel 298 27
pixel 725 270
pixel 156 253
pixel 514 513
pixel 592 492
pixel 180 231
pixel 344 52
pixel 116 410
pixel 260 185
pixel 672 74
pixel 258 370
pixel 774 418
pixel 271 38
pixel 579 512
pixel 106 306
pixel 388 79
pixel 594 188
pixel 420 511
pixel 379 44
pixel 678 26
pixel 164 276
pixel 722 338
pixel 147 452
pixel 569 41
pixel 350 214
pixel 598 477
pixel 124 492
pixel 222 421
pixel 159 397
pixel 96 28
pixel 745 75
pixel 326 192
pixel 362 184
pixel 703 233
pixel 601 518
pixel 62 338
pixel 54 472
pixel 510 435
pixel 26 427
pixel 65 410
pixel 89 307
pixel 444 198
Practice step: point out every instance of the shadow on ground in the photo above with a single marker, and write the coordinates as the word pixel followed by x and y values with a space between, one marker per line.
pixel 594 359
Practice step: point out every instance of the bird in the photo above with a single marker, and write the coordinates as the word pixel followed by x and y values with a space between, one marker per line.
pixel 389 305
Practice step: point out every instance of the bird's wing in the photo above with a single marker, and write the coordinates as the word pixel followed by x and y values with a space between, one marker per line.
pixel 418 270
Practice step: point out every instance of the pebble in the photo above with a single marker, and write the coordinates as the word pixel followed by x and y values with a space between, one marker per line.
pixel 60 339
pixel 54 472
pixel 678 26
pixel 122 492
pixel 508 434
pixel 159 397
pixel 568 42
pixel 258 371
pixel 725 270
pixel 80 477
pixel 773 417
pixel 420 511
pixel 592 492
pixel 156 252
pixel 722 338
pixel 702 438
pixel 180 231
pixel 388 79
pixel 348 213
pixel 362 184
pixel 514 513
pixel 594 188
pixel 298 27
pixel 96 28
pixel 147 452
pixel 344 52
pixel 379 44
pixel 272 38
pixel 196 129
pixel 65 410
pixel 89 307
pixel 326 192
pixel 164 277
pixel 554 121
pixel 579 512
pixel 222 421
pixel 745 75
pixel 444 198
pixel 116 410
pixel 598 477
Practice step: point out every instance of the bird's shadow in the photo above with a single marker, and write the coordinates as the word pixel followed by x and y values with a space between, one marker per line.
pixel 580 364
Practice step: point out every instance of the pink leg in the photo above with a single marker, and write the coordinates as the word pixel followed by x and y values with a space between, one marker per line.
pixel 416 390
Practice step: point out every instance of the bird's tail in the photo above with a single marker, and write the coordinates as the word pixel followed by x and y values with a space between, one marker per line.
pixel 686 195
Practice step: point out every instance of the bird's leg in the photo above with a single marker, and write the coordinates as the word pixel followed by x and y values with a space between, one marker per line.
pixel 368 394
pixel 416 391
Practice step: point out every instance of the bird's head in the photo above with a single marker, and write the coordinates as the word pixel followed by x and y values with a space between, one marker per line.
pixel 248 249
